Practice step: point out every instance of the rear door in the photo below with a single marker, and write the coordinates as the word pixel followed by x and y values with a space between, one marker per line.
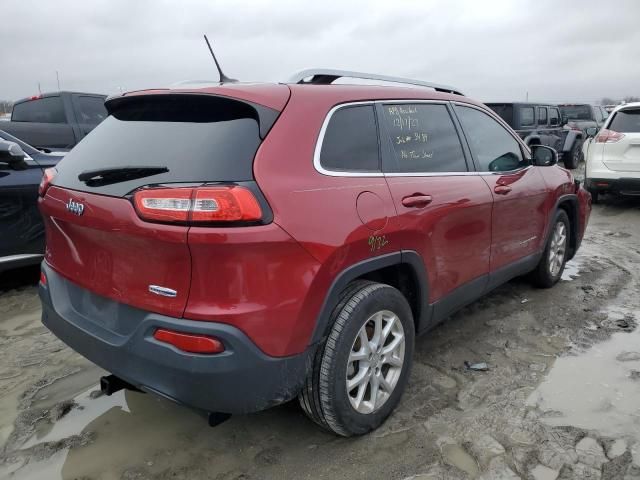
pixel 519 191
pixel 96 239
pixel 444 209
pixel 556 132
pixel 624 154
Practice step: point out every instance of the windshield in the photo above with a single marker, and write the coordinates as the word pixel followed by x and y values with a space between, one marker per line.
pixel 576 112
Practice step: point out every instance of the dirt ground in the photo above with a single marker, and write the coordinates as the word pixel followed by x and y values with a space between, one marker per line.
pixel 561 398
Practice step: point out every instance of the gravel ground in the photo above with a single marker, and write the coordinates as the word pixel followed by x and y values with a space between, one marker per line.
pixel 560 398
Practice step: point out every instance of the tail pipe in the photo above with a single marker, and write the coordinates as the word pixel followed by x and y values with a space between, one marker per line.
pixel 112 384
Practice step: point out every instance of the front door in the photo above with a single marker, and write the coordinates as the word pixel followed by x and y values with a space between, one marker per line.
pixel 519 191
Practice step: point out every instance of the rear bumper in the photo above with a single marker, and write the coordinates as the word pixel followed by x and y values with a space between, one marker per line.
pixel 119 339
pixel 621 186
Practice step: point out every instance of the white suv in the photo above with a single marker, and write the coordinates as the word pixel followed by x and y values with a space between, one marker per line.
pixel 612 154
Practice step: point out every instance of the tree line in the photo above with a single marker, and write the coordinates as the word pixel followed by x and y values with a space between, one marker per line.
pixel 5 106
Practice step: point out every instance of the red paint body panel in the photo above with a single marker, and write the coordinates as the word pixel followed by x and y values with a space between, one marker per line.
pixel 452 233
pixel 113 253
pixel 252 278
pixel 520 216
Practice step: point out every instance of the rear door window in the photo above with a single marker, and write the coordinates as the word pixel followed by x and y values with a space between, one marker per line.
pixel 91 109
pixel 198 138
pixel 350 141
pixel 527 116
pixel 495 149
pixel 422 138
pixel 626 121
pixel 42 110
pixel 542 115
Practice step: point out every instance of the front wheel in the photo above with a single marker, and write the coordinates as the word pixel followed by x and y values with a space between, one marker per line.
pixel 573 159
pixel 362 369
pixel 554 257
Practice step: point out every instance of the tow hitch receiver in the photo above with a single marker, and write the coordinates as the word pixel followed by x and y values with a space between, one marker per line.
pixel 112 384
pixel 216 418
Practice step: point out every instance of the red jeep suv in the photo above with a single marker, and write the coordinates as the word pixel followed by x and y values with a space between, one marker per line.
pixel 233 246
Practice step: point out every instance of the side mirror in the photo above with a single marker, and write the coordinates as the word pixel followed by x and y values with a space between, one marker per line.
pixel 544 156
pixel 591 132
pixel 564 120
pixel 12 155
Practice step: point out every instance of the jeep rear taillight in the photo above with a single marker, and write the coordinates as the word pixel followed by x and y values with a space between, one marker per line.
pixel 608 136
pixel 200 205
pixel 47 177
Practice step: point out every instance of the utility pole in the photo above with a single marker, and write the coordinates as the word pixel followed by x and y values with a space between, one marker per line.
pixel 527 96
pixel 58 79
pixel 39 90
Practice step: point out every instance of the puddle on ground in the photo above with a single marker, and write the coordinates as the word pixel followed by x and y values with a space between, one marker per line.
pixel 456 456
pixel 150 420
pixel 596 390
pixel 572 269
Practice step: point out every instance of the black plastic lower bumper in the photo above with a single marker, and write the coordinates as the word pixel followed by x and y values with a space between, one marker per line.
pixel 119 339
pixel 621 186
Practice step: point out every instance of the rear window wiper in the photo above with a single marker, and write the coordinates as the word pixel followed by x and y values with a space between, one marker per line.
pixel 108 176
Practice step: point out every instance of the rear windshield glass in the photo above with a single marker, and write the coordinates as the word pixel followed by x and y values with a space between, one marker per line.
pixel 196 138
pixel 576 112
pixel 42 110
pixel 626 121
pixel 505 110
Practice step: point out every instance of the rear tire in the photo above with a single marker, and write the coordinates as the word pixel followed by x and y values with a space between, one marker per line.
pixel 361 371
pixel 554 257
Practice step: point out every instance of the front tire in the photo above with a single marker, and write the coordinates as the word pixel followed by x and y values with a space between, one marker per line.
pixel 554 257
pixel 575 156
pixel 361 371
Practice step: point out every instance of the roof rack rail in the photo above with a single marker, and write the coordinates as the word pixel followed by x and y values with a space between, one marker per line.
pixel 326 76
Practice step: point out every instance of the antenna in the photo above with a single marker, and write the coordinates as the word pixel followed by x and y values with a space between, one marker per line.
pixel 223 77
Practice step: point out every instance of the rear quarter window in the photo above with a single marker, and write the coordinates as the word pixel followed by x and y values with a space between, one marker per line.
pixel 626 121
pixel 527 116
pixel 350 141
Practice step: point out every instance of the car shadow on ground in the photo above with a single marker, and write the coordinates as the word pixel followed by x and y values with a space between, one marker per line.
pixel 19 277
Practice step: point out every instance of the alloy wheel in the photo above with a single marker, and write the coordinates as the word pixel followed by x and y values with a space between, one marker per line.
pixel 558 248
pixel 375 361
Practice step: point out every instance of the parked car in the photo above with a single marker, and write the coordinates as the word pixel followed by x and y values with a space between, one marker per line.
pixel 56 121
pixel 613 154
pixel 541 124
pixel 298 250
pixel 582 116
pixel 21 227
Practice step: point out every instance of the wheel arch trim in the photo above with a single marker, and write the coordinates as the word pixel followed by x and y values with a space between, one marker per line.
pixel 370 265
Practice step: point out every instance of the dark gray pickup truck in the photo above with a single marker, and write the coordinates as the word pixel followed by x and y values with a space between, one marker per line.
pixel 55 121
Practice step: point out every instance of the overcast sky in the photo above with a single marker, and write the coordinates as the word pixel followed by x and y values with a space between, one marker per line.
pixel 492 50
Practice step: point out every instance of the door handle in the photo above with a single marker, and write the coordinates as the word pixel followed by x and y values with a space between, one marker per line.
pixel 417 200
pixel 502 189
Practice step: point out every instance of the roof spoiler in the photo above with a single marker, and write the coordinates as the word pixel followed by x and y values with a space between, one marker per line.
pixel 325 76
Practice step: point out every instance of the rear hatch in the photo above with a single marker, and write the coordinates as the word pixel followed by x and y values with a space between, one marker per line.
pixel 165 142
pixel 623 155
